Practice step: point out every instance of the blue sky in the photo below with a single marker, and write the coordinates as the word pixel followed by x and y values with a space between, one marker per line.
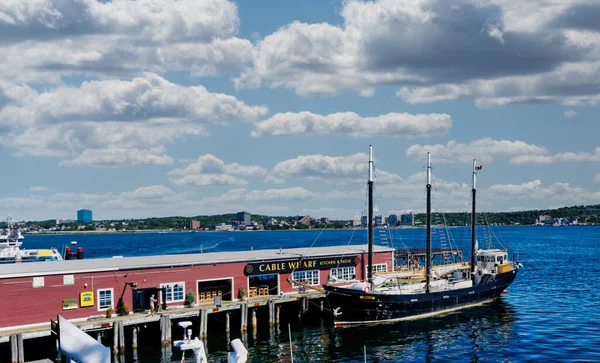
pixel 158 108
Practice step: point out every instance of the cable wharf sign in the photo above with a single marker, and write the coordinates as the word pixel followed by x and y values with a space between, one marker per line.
pixel 300 264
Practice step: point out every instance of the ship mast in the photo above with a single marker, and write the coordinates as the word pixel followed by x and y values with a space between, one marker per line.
pixel 370 219
pixel 473 219
pixel 428 224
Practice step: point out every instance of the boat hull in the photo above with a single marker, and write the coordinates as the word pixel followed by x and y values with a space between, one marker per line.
pixel 357 307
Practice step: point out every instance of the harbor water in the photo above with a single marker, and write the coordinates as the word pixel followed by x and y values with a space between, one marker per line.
pixel 551 313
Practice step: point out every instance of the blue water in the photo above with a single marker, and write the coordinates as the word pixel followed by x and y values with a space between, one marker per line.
pixel 551 313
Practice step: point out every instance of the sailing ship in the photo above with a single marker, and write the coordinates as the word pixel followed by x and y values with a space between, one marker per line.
pixel 394 298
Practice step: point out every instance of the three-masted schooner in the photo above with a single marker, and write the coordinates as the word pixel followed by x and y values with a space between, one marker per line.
pixel 489 273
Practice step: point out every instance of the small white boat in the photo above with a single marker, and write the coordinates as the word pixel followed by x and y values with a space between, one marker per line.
pixel 11 241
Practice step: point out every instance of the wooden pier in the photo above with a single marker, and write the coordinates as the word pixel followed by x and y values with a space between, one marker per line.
pixel 117 327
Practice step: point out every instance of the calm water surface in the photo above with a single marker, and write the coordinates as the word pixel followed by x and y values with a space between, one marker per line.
pixel 551 313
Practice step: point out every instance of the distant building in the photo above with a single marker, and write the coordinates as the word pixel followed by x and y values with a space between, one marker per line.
pixel 194 224
pixel 84 216
pixel 407 219
pixel 379 221
pixel 243 217
pixel 324 220
pixel 393 220
pixel 306 220
pixel 363 221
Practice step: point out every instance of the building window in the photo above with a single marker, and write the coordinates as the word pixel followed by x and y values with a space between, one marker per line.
pixel 174 291
pixel 380 267
pixel 343 273
pixel 105 299
pixel 308 277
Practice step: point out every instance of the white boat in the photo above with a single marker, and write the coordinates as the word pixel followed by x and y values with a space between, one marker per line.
pixel 11 241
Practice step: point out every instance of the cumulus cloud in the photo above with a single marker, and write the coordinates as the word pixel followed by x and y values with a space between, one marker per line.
pixel 54 38
pixel 148 97
pixel 114 156
pixel 145 201
pixel 570 113
pixel 115 122
pixel 210 170
pixel 559 157
pixel 351 124
pixel 268 195
pixel 535 190
pixel 497 52
pixel 483 150
pixel 334 169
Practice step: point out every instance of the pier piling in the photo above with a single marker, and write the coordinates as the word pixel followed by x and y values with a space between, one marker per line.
pixel 99 337
pixel 244 317
pixel 277 317
pixel 227 316
pixel 121 338
pixel 254 327
pixel 165 330
pixel 134 336
pixel 203 323
pixel 115 349
pixel 271 305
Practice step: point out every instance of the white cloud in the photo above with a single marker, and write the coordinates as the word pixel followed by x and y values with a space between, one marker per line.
pixel 247 197
pixel 535 190
pixel 481 149
pixel 570 113
pixel 349 123
pixel 115 122
pixel 145 201
pixel 210 170
pixel 597 178
pixel 49 39
pixel 113 156
pixel 149 97
pixel 559 157
pixel 39 189
pixel 274 180
pixel 497 52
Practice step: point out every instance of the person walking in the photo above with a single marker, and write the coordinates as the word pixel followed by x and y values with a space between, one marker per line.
pixel 152 304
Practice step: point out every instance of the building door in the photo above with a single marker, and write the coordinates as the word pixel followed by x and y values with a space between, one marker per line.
pixel 141 298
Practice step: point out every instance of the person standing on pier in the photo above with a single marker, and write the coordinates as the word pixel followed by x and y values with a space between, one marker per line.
pixel 152 304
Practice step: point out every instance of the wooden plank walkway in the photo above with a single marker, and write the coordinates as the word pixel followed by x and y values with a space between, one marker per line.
pixel 98 323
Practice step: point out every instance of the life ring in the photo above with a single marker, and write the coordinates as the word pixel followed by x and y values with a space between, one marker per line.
pixel 367 288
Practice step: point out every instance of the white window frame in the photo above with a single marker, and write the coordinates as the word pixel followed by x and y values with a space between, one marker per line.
pixel 171 285
pixel 305 273
pixel 378 267
pixel 112 299
pixel 342 272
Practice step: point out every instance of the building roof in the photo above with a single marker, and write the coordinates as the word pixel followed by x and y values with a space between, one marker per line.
pixel 144 262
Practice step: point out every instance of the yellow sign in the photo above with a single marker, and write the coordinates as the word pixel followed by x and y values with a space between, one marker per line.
pixel 69 304
pixel 86 298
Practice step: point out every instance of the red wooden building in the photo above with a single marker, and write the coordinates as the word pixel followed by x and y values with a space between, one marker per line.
pixel 33 293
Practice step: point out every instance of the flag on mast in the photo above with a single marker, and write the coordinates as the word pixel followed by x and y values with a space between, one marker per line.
pixel 478 167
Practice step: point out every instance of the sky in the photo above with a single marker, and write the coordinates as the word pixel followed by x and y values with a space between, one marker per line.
pixel 157 108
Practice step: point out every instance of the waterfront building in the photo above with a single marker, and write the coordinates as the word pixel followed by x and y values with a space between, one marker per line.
pixel 243 217
pixel 84 216
pixel 86 289
pixel 407 219
pixel 324 220
pixel 393 220
pixel 379 221
pixel 194 224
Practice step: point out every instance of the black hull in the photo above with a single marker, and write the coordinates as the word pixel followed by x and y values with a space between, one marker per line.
pixel 358 307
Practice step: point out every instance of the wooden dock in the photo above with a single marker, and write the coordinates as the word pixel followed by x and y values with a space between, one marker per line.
pixel 115 325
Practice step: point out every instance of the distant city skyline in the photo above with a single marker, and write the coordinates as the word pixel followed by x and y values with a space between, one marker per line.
pixel 139 109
